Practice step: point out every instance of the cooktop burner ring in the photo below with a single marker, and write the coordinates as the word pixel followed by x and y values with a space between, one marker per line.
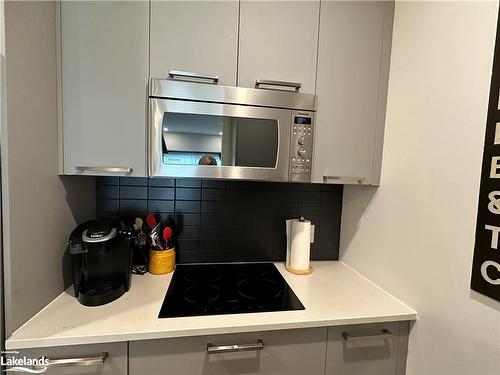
pixel 249 271
pixel 207 274
pixel 202 294
pixel 259 289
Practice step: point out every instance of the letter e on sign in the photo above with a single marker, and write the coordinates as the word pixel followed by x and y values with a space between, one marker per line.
pixel 495 167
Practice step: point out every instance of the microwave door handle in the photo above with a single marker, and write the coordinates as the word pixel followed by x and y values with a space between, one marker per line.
pixel 194 75
pixel 266 82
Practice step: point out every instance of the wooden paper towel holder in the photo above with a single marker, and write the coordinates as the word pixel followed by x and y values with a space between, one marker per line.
pixel 299 272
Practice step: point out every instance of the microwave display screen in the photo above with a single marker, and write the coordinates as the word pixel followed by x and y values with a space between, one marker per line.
pixel 302 120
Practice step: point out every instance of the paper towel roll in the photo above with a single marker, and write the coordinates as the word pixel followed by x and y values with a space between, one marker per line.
pixel 298 234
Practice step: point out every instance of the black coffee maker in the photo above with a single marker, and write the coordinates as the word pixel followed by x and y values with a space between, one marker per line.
pixel 101 253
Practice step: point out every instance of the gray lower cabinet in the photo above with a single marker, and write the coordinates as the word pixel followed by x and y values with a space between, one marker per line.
pixel 299 351
pixel 105 359
pixel 369 349
pixel 366 349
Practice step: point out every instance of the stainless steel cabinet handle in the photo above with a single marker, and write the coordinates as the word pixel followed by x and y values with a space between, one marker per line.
pixel 345 179
pixel 211 349
pixel 266 82
pixel 385 333
pixel 104 169
pixel 79 361
pixel 180 73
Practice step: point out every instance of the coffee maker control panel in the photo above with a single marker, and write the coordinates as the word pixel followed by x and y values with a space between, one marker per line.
pixel 301 146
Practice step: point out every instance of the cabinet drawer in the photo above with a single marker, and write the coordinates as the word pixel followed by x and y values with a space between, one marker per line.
pixel 374 349
pixel 115 362
pixel 283 352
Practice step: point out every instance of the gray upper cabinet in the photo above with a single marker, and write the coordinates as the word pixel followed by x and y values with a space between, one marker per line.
pixel 104 71
pixel 339 50
pixel 195 36
pixel 353 68
pixel 278 41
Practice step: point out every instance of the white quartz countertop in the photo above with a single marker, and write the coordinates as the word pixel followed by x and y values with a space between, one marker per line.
pixel 332 295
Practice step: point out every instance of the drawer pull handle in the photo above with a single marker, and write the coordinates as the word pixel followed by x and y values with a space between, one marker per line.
pixel 78 361
pixel 344 179
pixel 212 349
pixel 266 82
pixel 385 333
pixel 180 73
pixel 104 169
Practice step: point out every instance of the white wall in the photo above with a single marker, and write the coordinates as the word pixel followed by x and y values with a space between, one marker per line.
pixel 414 236
pixel 39 207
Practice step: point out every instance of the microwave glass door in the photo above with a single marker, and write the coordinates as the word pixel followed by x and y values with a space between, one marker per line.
pixel 197 139
pixel 194 139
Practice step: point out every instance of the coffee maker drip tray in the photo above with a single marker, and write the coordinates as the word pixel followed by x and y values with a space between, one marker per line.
pixel 94 295
pixel 227 288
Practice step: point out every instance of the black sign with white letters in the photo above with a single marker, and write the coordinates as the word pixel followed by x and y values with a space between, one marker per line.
pixel 486 263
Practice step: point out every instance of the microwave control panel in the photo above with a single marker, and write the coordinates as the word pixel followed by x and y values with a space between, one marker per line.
pixel 301 146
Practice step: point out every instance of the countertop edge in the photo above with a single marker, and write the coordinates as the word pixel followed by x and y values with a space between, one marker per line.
pixel 11 344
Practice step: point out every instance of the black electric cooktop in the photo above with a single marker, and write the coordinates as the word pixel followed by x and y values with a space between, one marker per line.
pixel 228 288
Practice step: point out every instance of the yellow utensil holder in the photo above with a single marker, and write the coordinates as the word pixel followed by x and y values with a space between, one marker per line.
pixel 161 261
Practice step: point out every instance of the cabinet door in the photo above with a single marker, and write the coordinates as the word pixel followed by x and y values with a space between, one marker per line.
pixel 278 41
pixel 104 66
pixel 115 359
pixel 195 36
pixel 366 349
pixel 284 352
pixel 353 68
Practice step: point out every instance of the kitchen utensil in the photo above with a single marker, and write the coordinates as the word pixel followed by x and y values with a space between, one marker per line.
pixel 138 224
pixel 154 237
pixel 167 235
pixel 151 221
pixel 140 235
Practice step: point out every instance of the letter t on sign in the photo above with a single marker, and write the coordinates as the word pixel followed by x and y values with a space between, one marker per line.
pixel 494 235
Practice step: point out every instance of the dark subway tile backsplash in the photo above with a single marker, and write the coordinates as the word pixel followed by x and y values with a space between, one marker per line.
pixel 219 220
pixel 158 206
pixel 161 193
pixel 133 192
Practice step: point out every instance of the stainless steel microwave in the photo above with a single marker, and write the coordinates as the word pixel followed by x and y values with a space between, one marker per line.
pixel 205 130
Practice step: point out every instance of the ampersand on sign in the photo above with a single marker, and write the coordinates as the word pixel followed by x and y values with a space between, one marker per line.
pixel 494 205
